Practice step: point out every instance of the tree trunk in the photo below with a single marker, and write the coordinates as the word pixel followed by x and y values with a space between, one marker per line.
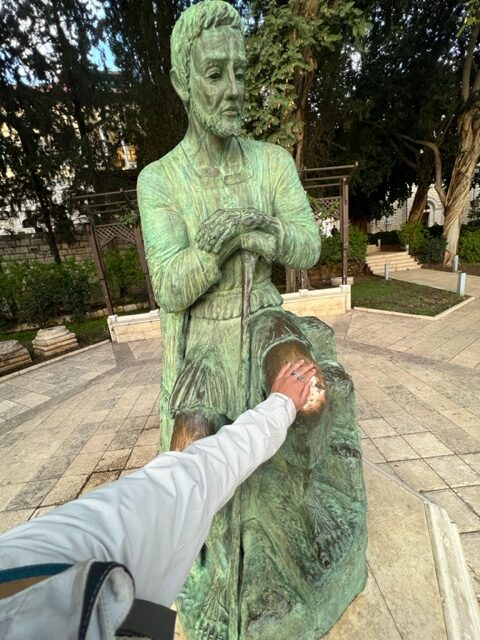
pixel 461 180
pixel 425 174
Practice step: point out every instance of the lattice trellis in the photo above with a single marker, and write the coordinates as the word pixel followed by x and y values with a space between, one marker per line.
pixel 108 206
pixel 108 232
pixel 332 205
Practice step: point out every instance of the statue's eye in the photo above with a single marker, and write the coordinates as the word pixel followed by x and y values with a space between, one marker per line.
pixel 214 75
pixel 240 75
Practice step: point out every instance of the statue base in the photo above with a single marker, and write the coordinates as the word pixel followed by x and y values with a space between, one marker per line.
pixel 419 584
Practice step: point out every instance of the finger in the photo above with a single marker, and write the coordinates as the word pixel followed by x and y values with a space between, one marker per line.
pixel 297 365
pixel 285 369
pixel 306 368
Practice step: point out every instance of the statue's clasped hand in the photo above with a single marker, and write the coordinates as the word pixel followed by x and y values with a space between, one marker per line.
pixel 225 225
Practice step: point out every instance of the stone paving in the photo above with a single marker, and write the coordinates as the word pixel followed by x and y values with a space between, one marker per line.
pixel 86 419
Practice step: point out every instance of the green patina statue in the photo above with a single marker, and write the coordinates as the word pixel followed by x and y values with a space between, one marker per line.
pixel 287 555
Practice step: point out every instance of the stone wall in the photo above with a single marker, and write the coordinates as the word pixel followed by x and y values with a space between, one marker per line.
pixel 34 246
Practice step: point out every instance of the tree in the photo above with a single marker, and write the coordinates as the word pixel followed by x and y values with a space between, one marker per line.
pixel 286 45
pixel 403 87
pixel 139 36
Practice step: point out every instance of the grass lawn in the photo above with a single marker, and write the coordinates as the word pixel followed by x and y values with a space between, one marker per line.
pixel 405 297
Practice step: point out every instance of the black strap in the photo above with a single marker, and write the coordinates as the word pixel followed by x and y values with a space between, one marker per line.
pixel 149 619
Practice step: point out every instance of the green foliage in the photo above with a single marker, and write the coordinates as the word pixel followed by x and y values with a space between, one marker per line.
pixel 37 292
pixel 469 249
pixel 432 250
pixel 124 274
pixel 385 237
pixel 279 50
pixel 413 234
pixel 357 249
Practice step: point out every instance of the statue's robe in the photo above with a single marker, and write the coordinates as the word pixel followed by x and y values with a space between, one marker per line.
pixel 286 557
pixel 201 301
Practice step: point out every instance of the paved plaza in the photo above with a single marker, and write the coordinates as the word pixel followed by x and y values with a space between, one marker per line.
pixel 84 420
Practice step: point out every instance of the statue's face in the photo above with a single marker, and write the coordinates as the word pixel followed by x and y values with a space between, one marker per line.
pixel 217 81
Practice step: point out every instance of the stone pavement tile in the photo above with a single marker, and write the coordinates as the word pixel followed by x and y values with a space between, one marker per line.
pixel 113 460
pixel 99 479
pixel 124 439
pixel 427 444
pixel 376 427
pixel 9 492
pixel 153 421
pixel 33 399
pixel 471 495
pixel 472 459
pixel 10 409
pixel 10 439
pixel 387 409
pixel 24 471
pixel 98 442
pixel 387 468
pixel 395 448
pixel 141 455
pixel 109 426
pixel 418 475
pixel 10 519
pixel 149 436
pixel 128 472
pixel 95 416
pixel 403 423
pixel 146 401
pixel 471 548
pixel 66 489
pixel 459 512
pixel 83 464
pixel 368 614
pixel 365 411
pixel 41 511
pixel 54 467
pixel 370 451
pixel 374 394
pixel 463 418
pixel 31 495
pixel 454 471
pixel 457 440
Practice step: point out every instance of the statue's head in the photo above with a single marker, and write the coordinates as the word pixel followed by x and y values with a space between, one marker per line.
pixel 208 62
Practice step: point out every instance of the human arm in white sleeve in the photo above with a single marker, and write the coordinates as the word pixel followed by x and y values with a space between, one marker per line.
pixel 156 520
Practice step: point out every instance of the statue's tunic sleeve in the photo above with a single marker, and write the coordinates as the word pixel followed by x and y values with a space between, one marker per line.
pixel 298 242
pixel 180 272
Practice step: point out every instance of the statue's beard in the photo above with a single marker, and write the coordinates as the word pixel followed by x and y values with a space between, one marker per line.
pixel 217 124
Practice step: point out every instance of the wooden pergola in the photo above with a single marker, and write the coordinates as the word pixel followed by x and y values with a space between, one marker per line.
pixel 330 186
pixel 103 211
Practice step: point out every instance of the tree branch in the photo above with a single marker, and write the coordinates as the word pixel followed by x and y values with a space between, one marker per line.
pixel 438 165
pixel 467 64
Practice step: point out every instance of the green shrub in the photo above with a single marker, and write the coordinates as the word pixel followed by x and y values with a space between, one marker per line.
pixel 331 250
pixel 432 250
pixel 36 292
pixel 469 249
pixel 413 234
pixel 357 249
pixel 124 274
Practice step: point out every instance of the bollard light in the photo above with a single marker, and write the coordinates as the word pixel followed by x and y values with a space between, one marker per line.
pixel 386 271
pixel 455 263
pixel 461 283
pixel 407 249
pixel 379 243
